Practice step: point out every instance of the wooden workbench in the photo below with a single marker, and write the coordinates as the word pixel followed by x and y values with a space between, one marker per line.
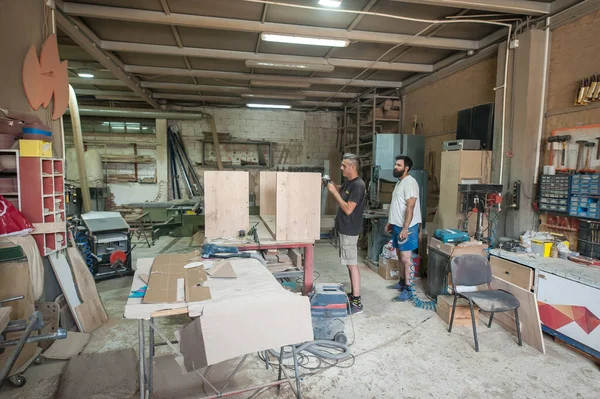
pixel 266 242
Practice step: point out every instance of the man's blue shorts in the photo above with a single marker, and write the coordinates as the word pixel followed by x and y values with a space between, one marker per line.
pixel 413 238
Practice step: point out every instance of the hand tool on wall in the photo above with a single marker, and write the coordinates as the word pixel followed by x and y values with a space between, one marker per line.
pixel 564 140
pixel 596 95
pixel 580 154
pixel 580 93
pixel 598 150
pixel 590 92
pixel 589 145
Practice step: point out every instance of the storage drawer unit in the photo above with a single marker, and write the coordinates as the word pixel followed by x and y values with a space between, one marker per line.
pixel 588 239
pixel 584 207
pixel 554 193
pixel 512 272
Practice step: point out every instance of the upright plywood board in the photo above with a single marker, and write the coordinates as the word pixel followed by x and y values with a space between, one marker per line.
pixel 298 206
pixel 90 313
pixel 268 193
pixel 226 203
pixel 529 316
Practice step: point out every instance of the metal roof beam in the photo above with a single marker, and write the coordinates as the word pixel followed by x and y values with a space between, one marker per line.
pixel 241 89
pixel 524 7
pixel 139 69
pixel 198 21
pixel 244 55
pixel 113 66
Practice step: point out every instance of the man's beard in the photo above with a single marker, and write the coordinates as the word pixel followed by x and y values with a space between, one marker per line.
pixel 398 173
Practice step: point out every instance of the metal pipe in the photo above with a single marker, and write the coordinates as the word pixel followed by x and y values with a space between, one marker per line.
pixel 189 162
pixel 10 362
pixel 185 176
pixel 542 103
pixel 141 350
pixel 78 144
pixel 138 113
pixel 59 334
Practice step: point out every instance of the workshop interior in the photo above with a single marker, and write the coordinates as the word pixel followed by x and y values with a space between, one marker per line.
pixel 299 198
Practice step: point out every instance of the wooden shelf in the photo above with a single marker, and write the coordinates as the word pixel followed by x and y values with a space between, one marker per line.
pixel 12 194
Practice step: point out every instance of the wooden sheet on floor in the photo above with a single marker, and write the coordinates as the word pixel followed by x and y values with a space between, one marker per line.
pixel 64 349
pixel 529 316
pixel 226 200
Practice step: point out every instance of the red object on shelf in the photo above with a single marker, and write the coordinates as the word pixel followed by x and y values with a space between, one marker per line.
pixel 12 222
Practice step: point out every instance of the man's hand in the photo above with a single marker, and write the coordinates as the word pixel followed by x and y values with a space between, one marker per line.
pixel 403 234
pixel 388 227
pixel 332 188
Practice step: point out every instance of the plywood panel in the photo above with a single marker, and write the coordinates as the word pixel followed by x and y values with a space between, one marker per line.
pixel 90 312
pixel 268 193
pixel 66 280
pixel 521 276
pixel 529 316
pixel 225 203
pixel 298 206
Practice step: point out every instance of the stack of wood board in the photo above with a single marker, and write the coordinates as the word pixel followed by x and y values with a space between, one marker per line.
pixel 290 205
pixel 79 289
pixel 226 203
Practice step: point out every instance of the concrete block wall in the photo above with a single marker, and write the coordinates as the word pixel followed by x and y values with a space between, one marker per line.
pixel 302 139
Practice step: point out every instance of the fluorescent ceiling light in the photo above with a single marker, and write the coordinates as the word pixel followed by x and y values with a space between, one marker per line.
pixel 330 3
pixel 275 95
pixel 313 41
pixel 290 65
pixel 85 74
pixel 275 83
pixel 276 106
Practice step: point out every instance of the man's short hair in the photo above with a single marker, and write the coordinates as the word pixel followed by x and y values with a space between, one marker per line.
pixel 354 159
pixel 407 161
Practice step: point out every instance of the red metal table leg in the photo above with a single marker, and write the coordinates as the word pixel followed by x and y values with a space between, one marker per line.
pixel 309 262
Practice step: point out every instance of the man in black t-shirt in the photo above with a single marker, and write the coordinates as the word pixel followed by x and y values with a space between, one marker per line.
pixel 348 221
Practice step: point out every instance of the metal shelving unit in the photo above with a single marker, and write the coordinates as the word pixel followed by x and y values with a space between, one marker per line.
pixel 361 123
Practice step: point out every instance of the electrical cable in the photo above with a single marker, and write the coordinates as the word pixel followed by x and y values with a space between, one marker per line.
pixel 84 247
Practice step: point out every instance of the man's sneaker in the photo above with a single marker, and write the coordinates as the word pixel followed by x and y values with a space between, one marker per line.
pixel 356 306
pixel 398 286
pixel 404 296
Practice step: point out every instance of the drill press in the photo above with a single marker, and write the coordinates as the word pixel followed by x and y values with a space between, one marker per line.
pixel 479 199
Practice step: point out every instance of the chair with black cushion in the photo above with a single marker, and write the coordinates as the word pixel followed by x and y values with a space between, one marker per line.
pixel 472 271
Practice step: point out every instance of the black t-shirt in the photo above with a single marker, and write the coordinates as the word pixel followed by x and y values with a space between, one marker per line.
pixel 354 191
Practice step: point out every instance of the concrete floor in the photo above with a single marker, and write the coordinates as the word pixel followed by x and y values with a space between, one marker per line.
pixel 399 350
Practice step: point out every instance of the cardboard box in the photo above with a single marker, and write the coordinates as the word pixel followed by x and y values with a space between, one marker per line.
pixel 391 114
pixel 35 148
pixel 387 105
pixel 234 326
pixel 375 114
pixel 396 104
pixel 390 269
pixel 462 315
pixel 164 275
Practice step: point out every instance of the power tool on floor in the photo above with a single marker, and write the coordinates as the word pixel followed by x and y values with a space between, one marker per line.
pixel 328 307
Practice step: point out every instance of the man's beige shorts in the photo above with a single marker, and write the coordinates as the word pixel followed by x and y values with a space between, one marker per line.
pixel 348 251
